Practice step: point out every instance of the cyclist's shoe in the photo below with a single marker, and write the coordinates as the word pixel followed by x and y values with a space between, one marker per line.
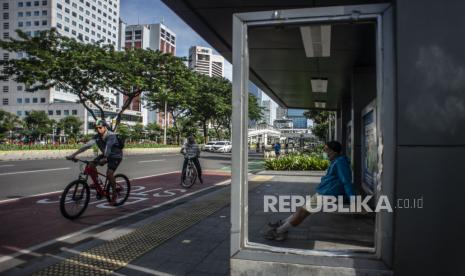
pixel 92 186
pixel 114 197
pixel 201 180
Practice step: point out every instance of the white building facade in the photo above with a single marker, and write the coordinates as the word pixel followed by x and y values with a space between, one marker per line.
pixel 154 37
pixel 87 21
pixel 202 60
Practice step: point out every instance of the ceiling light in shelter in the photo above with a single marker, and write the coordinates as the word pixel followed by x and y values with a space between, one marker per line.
pixel 319 85
pixel 320 104
pixel 316 40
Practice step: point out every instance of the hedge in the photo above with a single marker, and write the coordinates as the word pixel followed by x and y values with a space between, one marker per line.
pixel 297 162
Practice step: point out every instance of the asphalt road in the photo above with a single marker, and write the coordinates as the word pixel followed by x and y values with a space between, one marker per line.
pixel 25 178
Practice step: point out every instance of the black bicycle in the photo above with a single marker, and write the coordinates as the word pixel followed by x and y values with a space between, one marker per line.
pixel 190 174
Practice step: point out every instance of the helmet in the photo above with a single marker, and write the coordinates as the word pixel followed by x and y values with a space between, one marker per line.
pixel 100 123
pixel 191 139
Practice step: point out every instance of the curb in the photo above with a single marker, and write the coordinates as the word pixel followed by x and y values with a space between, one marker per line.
pixel 60 154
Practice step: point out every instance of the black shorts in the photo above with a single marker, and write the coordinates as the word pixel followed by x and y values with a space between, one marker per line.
pixel 113 163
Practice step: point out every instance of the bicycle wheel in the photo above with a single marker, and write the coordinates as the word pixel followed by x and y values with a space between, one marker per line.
pixel 74 199
pixel 190 176
pixel 123 188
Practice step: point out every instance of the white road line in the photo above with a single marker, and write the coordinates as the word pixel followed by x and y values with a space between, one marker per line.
pixel 1 166
pixel 48 193
pixel 157 160
pixel 46 170
pixel 31 250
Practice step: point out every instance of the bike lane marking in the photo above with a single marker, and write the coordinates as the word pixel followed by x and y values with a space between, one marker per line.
pixel 34 171
pixel 60 191
pixel 156 160
pixel 141 198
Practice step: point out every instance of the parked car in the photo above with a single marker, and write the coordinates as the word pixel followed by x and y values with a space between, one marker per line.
pixel 222 146
pixel 209 146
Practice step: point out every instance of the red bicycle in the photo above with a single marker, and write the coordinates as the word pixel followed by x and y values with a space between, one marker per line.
pixel 76 196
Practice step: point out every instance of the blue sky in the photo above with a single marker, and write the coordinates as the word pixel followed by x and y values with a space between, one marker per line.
pixel 153 11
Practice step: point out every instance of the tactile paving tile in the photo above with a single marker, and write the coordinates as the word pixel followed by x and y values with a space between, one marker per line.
pixel 117 253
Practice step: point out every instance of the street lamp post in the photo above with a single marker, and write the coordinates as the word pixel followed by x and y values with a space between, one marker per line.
pixel 164 124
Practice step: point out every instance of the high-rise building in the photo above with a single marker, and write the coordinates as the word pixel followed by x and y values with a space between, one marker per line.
pixel 202 60
pixel 298 118
pixel 154 37
pixel 281 113
pixel 83 20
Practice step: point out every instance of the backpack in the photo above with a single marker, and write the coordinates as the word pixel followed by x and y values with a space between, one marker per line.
pixel 121 141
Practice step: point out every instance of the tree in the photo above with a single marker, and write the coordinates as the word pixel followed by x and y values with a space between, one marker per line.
pixel 321 122
pixel 124 131
pixel 175 88
pixel 38 124
pixel 84 70
pixel 137 132
pixel 8 123
pixel 255 110
pixel 153 131
pixel 71 126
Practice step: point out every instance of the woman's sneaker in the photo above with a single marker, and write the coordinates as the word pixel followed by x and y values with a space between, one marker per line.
pixel 275 225
pixel 273 235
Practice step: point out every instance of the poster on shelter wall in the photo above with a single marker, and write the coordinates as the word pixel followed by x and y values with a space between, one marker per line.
pixel 369 150
pixel 349 141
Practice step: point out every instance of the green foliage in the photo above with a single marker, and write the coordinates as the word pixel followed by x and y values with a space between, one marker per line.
pixel 297 162
pixel 71 126
pixel 38 124
pixel 13 147
pixel 124 130
pixel 321 122
pixel 8 122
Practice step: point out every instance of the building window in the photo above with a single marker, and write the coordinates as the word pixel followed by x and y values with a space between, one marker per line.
pixel 73 23
pixel 6 56
pixel 6 35
pixel 59 6
pixel 20 14
pixel 6 6
pixel 36 3
pixel 66 10
pixel 42 100
pixel 66 19
pixel 35 100
pixel 36 13
pixel 58 112
pixel 5 101
pixel 44 3
pixel 59 16
pixel 19 88
pixel 20 4
pixel 50 112
pixel 19 113
pixel 28 14
pixel 74 112
pixel 58 25
pixel 26 113
pixel 20 24
pixel 27 100
pixel 44 22
pixel 44 13
pixel 73 32
pixel 6 89
pixel 36 23
pixel 28 23
pixel 19 100
pixel 66 112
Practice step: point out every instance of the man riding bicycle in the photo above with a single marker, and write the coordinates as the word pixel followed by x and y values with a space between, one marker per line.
pixel 112 154
pixel 191 150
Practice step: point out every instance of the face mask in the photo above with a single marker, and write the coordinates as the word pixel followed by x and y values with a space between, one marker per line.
pixel 325 156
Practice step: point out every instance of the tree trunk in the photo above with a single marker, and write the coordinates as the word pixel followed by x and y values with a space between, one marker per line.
pixel 205 131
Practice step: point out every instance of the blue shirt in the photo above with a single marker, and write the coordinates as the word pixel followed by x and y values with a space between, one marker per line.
pixel 338 179
pixel 277 148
